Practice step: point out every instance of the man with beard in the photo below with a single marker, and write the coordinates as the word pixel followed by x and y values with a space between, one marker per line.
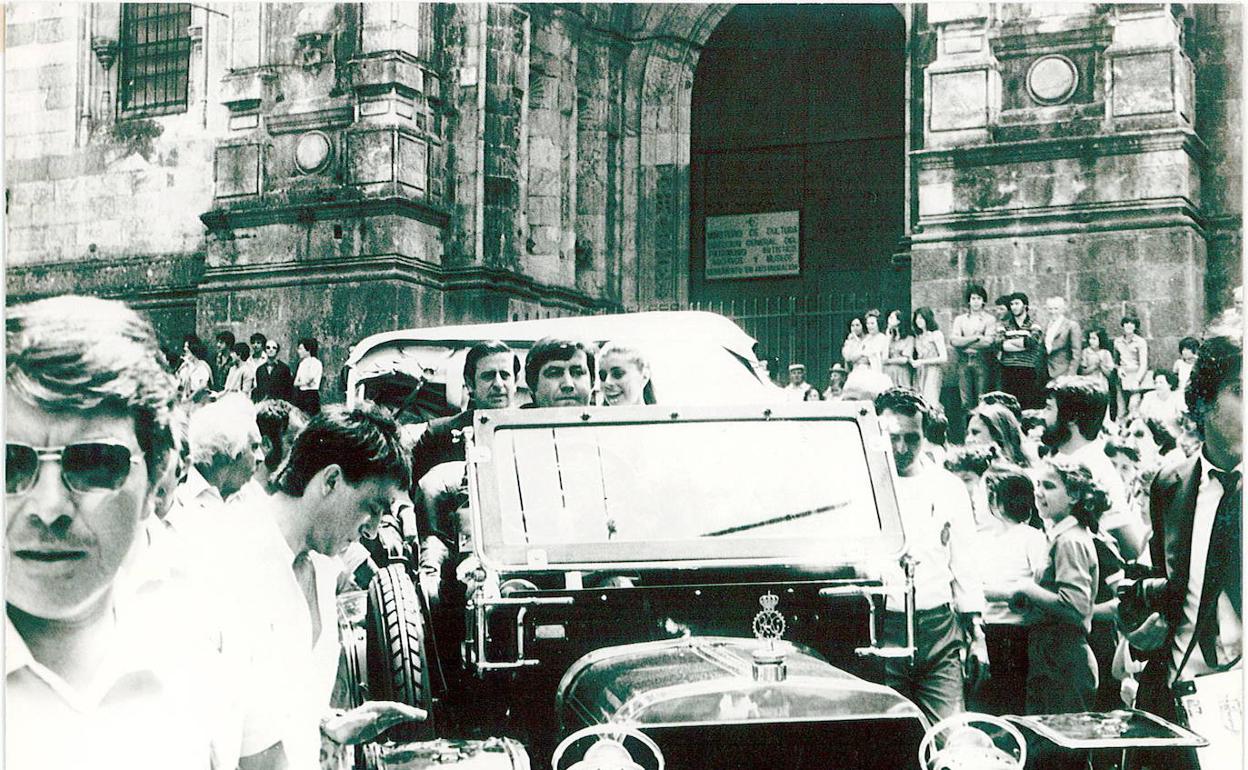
pixel 1074 412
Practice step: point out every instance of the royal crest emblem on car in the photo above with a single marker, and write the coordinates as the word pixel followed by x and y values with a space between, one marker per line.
pixel 769 623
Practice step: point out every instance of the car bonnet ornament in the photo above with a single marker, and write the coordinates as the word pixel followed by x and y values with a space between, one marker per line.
pixel 768 623
pixel 769 627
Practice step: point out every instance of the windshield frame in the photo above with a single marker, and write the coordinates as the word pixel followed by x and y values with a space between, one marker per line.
pixel 633 556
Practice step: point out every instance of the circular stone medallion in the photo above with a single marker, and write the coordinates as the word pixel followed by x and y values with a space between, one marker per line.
pixel 1052 79
pixel 312 152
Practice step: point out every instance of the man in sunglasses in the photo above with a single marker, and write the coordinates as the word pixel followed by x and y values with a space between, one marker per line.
pixel 96 671
pixel 273 377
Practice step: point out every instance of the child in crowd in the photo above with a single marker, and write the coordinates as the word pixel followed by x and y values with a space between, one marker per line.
pixel 1188 346
pixel 1014 552
pixel 969 463
pixel 1126 459
pixel 1062 671
pixel 1033 435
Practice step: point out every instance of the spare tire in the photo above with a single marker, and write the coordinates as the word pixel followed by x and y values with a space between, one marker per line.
pixel 396 647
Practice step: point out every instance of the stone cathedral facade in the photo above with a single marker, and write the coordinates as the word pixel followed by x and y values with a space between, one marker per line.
pixel 338 169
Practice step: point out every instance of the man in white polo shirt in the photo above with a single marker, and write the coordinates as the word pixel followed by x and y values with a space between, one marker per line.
pixel 940 537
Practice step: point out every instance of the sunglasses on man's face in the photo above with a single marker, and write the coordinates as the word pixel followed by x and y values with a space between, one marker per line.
pixel 90 466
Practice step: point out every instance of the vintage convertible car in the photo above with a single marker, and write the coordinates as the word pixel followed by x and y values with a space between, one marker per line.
pixel 705 579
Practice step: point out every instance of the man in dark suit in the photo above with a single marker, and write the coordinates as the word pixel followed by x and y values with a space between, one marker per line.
pixel 273 377
pixel 1188 619
pixel 490 371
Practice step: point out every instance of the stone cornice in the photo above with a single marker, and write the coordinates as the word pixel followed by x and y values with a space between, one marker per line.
pixel 260 213
pixel 521 286
pixel 363 269
pixel 1063 147
pixel 393 267
pixel 169 276
pixel 1056 220
pixel 1023 39
pixel 337 116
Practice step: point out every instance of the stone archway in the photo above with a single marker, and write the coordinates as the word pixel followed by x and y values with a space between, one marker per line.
pixel 668 42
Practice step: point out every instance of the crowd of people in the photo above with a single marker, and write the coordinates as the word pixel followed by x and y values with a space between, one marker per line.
pixel 252 368
pixel 1008 350
pixel 1089 587
pixel 176 532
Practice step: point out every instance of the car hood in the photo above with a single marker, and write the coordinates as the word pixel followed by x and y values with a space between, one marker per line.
pixel 703 681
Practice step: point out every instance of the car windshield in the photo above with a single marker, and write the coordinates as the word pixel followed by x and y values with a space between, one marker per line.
pixel 804 486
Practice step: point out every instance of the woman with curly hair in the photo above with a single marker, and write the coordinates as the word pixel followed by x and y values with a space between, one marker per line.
pixel 996 425
pixel 1062 671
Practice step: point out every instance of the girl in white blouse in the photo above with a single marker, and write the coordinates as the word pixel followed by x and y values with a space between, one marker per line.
pixel 307 395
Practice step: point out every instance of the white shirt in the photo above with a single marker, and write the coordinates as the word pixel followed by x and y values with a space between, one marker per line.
pixel 272 604
pixel 1230 625
pixel 308 376
pixel 247 374
pixel 940 535
pixel 1092 456
pixel 196 504
pixel 162 697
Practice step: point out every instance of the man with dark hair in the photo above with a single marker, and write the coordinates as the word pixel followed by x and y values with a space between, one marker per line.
pixel 936 515
pixel 107 662
pixel 973 336
pixel 490 371
pixel 559 372
pixel 1021 342
pixel 1188 618
pixel 1074 412
pixel 221 362
pixel 273 377
pixel 1188 348
pixel 279 423
pixel 344 470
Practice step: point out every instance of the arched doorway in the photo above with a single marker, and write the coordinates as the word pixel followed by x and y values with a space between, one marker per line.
pixel 797 121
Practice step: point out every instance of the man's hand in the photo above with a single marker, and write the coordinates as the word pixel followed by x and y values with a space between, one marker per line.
pixel 975 670
pixel 366 722
pixel 1149 635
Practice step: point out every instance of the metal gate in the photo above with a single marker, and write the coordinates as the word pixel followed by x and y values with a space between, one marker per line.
pixel 795 329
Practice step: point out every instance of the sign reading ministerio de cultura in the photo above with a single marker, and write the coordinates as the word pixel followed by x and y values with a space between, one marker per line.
pixel 752 245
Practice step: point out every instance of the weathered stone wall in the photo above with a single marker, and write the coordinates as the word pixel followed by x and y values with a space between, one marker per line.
pixel 1216 41
pixel 93 205
pixel 1102 187
pixel 499 161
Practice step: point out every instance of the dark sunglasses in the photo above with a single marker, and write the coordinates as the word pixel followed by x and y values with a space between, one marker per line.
pixel 90 466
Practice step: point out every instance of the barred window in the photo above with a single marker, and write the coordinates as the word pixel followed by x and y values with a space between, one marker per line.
pixel 155 50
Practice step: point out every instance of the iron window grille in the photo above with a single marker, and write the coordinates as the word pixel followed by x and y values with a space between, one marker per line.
pixel 155 52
